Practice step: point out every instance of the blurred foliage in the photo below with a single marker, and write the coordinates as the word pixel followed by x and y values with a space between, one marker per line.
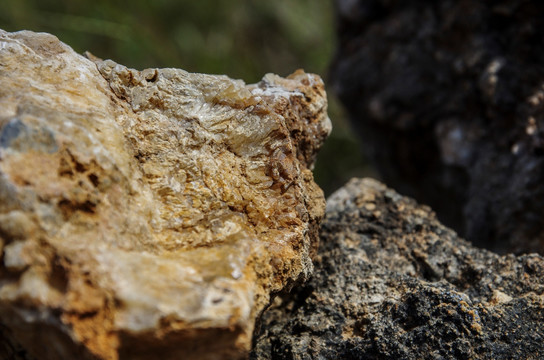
pixel 241 38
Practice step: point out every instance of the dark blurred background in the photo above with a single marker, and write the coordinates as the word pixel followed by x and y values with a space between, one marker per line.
pixel 243 39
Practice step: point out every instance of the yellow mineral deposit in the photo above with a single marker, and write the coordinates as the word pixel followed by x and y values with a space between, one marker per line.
pixel 149 215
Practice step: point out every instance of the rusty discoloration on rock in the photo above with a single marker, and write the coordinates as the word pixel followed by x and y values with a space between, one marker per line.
pixel 149 214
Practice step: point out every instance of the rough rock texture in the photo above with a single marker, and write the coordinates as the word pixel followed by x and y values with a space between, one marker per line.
pixel 448 98
pixel 393 283
pixel 148 215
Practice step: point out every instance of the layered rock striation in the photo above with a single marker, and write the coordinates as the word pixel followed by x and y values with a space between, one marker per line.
pixel 392 282
pixel 148 214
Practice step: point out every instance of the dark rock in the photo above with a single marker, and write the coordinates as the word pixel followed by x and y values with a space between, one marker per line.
pixel 15 134
pixel 448 98
pixel 391 282
pixel 10 349
pixel 10 132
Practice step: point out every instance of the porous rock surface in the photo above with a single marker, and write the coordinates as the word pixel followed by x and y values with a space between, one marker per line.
pixel 148 215
pixel 392 282
pixel 448 98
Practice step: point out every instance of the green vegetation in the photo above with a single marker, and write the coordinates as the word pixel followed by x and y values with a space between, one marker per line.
pixel 241 38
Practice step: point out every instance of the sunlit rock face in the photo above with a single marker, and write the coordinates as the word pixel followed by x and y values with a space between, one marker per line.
pixel 149 215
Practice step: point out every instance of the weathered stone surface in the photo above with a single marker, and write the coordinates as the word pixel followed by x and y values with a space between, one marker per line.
pixel 391 282
pixel 148 215
pixel 448 98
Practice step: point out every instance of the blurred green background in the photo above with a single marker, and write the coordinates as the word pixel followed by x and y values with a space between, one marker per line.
pixel 243 39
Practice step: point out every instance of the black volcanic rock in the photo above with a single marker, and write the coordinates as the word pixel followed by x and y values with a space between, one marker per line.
pixel 448 98
pixel 391 282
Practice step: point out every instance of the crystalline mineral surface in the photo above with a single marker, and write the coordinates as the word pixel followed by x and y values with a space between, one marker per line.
pixel 149 214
